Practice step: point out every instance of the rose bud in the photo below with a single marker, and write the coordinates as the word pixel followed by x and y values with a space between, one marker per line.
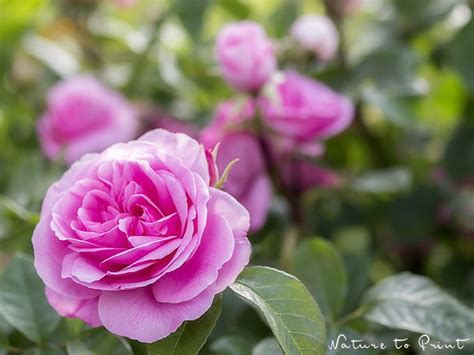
pixel 316 34
pixel 245 55
pixel 84 116
pixel 305 110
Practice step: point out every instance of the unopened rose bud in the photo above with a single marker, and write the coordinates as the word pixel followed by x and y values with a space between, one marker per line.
pixel 317 34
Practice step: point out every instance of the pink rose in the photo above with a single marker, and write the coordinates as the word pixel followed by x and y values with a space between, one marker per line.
pixel 304 109
pixel 136 240
pixel 317 34
pixel 248 181
pixel 84 116
pixel 245 55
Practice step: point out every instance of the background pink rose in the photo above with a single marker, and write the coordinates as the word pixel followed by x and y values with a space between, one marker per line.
pixel 248 181
pixel 304 109
pixel 136 240
pixel 84 116
pixel 245 55
pixel 316 33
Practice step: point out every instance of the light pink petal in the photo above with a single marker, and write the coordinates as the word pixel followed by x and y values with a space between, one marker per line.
pixel 182 146
pixel 229 272
pixel 49 255
pixel 86 310
pixel 137 315
pixel 258 200
pixel 224 205
pixel 195 275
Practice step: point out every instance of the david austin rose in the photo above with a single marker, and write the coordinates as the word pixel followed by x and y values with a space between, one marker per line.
pixel 303 109
pixel 136 240
pixel 248 181
pixel 245 55
pixel 317 34
pixel 84 116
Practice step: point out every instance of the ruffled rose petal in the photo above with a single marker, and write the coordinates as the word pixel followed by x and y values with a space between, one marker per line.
pixel 87 310
pixel 181 146
pixel 224 205
pixel 137 315
pixel 201 270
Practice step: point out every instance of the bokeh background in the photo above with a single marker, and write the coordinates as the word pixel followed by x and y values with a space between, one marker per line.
pixel 407 161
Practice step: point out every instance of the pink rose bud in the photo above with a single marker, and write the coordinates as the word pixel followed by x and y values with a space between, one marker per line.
pixel 84 116
pixel 248 181
pixel 136 240
pixel 303 109
pixel 245 55
pixel 316 34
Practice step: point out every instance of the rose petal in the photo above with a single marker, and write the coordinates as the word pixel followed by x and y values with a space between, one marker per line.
pixel 201 270
pixel 137 315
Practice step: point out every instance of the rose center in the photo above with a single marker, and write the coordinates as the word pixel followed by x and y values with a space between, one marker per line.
pixel 137 211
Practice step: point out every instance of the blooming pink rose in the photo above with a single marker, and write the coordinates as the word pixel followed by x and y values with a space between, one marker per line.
pixel 304 109
pixel 136 240
pixel 84 116
pixel 317 34
pixel 245 55
pixel 248 181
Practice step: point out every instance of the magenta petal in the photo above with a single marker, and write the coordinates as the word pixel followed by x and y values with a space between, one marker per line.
pixel 87 310
pixel 180 145
pixel 231 269
pixel 258 200
pixel 137 315
pixel 223 204
pixel 195 275
pixel 49 255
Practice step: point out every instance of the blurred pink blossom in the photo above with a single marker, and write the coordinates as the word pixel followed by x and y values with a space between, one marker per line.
pixel 248 181
pixel 305 110
pixel 245 55
pixel 316 33
pixel 84 116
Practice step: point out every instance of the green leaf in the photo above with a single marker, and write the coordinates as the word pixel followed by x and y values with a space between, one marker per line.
pixel 415 303
pixel 268 346
pixel 191 336
pixel 383 181
pixel 100 341
pixel 319 265
pixel 232 345
pixel 23 302
pixel 236 8
pixel 287 306
pixel 77 347
pixel 48 349
pixel 459 155
pixel 191 14
pixel 460 53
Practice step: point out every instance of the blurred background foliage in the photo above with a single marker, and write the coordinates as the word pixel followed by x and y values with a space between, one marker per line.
pixel 407 161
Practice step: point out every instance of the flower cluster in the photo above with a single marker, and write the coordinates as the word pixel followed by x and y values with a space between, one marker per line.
pixel 136 236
